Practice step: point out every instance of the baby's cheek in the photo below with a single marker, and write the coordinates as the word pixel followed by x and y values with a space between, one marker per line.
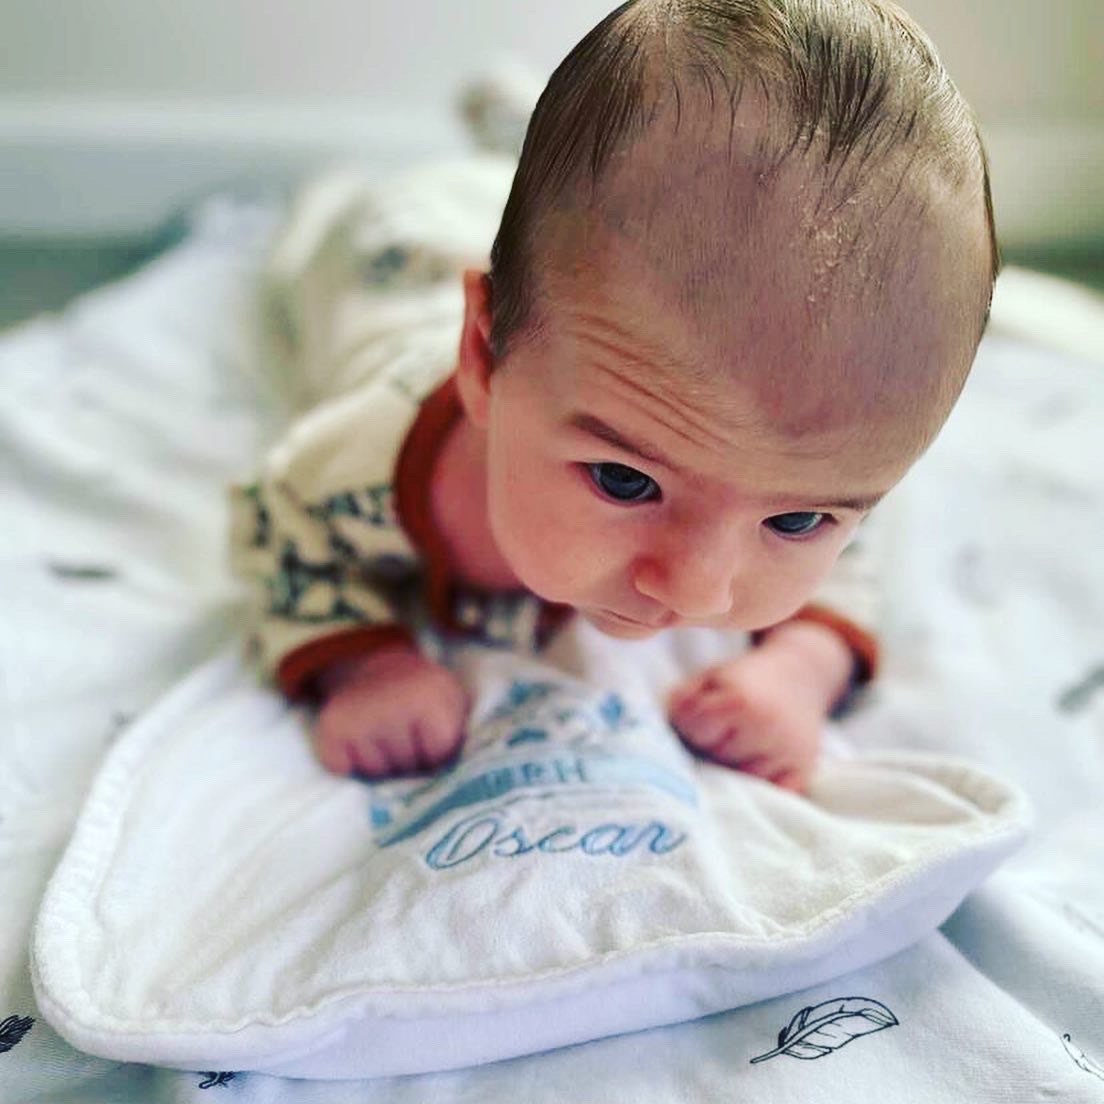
pixel 531 534
pixel 562 542
pixel 783 588
pixel 558 568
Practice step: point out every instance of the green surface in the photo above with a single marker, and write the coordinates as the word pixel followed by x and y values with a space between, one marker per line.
pixel 37 276
pixel 1084 265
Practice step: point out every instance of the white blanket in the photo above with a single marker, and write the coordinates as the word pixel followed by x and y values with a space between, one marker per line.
pixel 120 422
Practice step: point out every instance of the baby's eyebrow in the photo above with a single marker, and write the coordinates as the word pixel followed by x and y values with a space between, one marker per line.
pixel 588 423
pixel 861 503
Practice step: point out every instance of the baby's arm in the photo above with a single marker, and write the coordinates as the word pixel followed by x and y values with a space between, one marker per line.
pixel 331 574
pixel 327 636
pixel 763 711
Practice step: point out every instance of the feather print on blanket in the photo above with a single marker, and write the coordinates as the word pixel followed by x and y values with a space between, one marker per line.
pixel 213 1079
pixel 1081 1058
pixel 12 1031
pixel 824 1028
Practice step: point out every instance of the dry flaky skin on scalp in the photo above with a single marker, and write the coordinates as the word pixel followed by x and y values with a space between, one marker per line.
pixel 722 137
pixel 832 299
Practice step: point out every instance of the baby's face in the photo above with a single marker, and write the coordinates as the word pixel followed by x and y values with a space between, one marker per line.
pixel 643 504
pixel 650 469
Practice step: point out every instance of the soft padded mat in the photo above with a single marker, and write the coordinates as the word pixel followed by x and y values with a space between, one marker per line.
pixel 225 904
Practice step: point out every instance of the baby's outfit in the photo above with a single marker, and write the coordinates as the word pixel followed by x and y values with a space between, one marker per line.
pixel 361 311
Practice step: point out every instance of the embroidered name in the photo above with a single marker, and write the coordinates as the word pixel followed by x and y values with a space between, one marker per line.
pixel 531 775
pixel 544 745
pixel 493 834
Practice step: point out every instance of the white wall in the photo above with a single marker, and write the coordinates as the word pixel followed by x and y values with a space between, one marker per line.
pixel 149 92
pixel 1013 58
pixel 1022 60
pixel 382 50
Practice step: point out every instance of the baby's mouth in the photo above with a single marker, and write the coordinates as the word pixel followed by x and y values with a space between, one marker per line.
pixel 633 623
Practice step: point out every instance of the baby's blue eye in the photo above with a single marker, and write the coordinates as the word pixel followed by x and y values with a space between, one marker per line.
pixel 623 483
pixel 797 524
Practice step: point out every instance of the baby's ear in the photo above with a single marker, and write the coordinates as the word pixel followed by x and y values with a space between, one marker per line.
pixel 476 361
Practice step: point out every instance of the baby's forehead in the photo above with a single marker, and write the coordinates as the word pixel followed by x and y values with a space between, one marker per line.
pixel 734 252
pixel 713 430
pixel 707 255
pixel 786 342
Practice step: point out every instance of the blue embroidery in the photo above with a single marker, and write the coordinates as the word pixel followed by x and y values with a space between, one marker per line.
pixel 612 711
pixel 522 693
pixel 489 832
pixel 526 735
pixel 545 712
pixel 491 785
pixel 628 770
pixel 525 699
pixel 538 774
pixel 559 746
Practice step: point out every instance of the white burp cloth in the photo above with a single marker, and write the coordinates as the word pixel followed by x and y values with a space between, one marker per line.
pixel 226 904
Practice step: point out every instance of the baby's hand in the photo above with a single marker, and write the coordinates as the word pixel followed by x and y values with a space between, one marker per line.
pixel 392 712
pixel 763 711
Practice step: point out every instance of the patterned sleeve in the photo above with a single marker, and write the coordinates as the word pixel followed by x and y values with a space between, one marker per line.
pixel 315 537
pixel 361 305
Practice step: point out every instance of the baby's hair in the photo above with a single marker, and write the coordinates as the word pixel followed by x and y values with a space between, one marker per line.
pixel 855 82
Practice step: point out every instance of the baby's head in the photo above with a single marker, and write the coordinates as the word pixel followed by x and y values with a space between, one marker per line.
pixel 737 288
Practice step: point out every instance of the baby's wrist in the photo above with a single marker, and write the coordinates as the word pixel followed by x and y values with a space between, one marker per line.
pixel 375 663
pixel 822 653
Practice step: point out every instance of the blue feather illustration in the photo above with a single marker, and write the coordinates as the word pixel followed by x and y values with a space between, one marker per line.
pixel 823 1028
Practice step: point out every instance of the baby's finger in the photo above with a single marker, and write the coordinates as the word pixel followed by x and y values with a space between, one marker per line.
pixel 742 744
pixel 371 759
pixel 703 709
pixel 704 695
pixel 684 691
pixel 706 717
pixel 791 778
pixel 762 766
pixel 436 740
pixel 335 755
pixel 405 754
pixel 703 732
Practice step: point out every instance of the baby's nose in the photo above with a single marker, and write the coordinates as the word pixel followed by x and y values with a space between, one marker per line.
pixel 693 580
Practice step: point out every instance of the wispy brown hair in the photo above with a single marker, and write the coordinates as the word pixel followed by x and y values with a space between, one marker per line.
pixel 857 82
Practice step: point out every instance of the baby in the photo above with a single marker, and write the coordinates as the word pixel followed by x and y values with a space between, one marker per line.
pixel 738 285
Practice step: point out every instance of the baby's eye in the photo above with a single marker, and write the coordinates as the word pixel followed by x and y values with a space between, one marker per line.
pixel 798 524
pixel 623 483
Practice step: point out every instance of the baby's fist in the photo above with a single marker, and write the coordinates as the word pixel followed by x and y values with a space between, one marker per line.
pixel 392 712
pixel 762 712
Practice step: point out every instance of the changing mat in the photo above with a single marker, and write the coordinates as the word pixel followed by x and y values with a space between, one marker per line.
pixel 226 904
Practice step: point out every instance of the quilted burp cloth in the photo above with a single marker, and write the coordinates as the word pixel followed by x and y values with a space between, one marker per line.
pixel 226 904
